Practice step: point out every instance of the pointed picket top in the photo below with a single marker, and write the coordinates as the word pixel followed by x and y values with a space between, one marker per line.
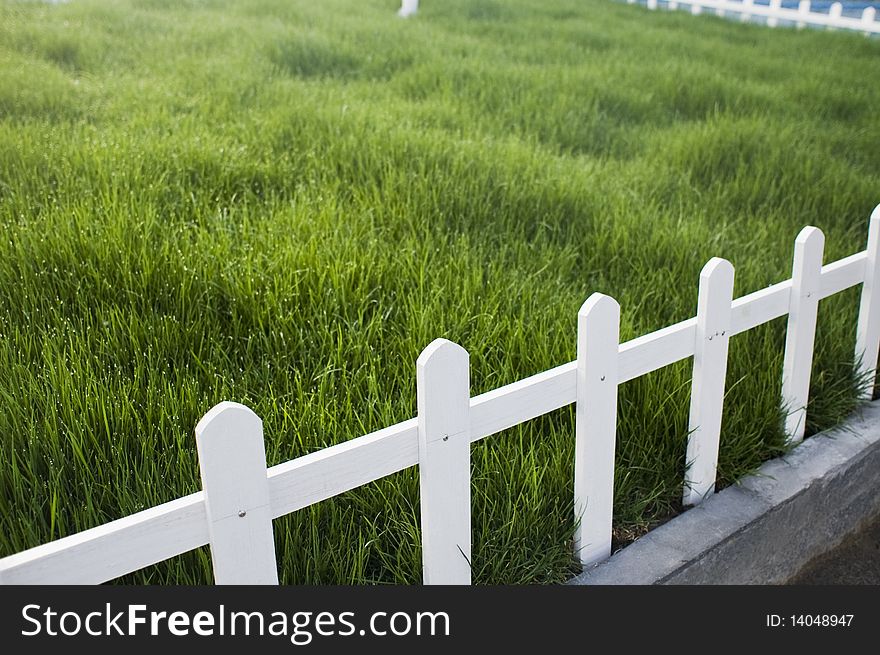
pixel 803 307
pixel 439 348
pixel 228 409
pixel 598 302
pixel 232 460
pixel 440 361
pixel 717 274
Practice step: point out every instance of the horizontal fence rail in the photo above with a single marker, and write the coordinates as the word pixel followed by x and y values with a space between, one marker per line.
pixel 240 496
pixel 774 12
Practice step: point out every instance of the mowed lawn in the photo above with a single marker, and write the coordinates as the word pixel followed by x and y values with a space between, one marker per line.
pixel 281 202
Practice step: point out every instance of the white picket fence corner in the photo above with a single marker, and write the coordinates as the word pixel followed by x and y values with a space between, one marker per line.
pixel 240 497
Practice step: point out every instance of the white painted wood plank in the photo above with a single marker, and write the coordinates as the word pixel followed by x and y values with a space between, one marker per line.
pixel 523 400
pixel 443 382
pixel 801 330
pixel 657 349
pixel 539 394
pixel 770 303
pixel 232 461
pixel 595 426
pixel 843 274
pixel 759 307
pixel 309 479
pixel 710 369
pixel 868 326
pixel 108 551
pixel 114 549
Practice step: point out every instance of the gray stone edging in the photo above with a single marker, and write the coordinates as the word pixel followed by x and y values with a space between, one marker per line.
pixel 766 527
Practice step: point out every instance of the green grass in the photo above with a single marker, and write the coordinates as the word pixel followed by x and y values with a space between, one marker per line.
pixel 281 203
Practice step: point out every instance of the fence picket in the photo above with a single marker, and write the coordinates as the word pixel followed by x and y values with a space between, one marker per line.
pixel 595 426
pixel 745 16
pixel 803 10
pixel 835 10
pixel 775 5
pixel 443 380
pixel 868 327
pixel 868 15
pixel 710 369
pixel 800 336
pixel 232 459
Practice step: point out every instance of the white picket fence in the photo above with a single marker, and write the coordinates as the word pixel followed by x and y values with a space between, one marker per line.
pixel 774 12
pixel 240 497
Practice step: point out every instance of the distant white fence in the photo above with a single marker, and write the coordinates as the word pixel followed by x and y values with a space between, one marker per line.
pixel 408 8
pixel 240 497
pixel 774 12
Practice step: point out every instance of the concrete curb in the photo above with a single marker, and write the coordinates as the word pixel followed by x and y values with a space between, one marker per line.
pixel 764 529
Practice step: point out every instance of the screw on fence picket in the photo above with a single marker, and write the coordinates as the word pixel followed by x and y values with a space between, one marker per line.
pixel 868 327
pixel 443 381
pixel 232 459
pixel 707 387
pixel 803 308
pixel 598 340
